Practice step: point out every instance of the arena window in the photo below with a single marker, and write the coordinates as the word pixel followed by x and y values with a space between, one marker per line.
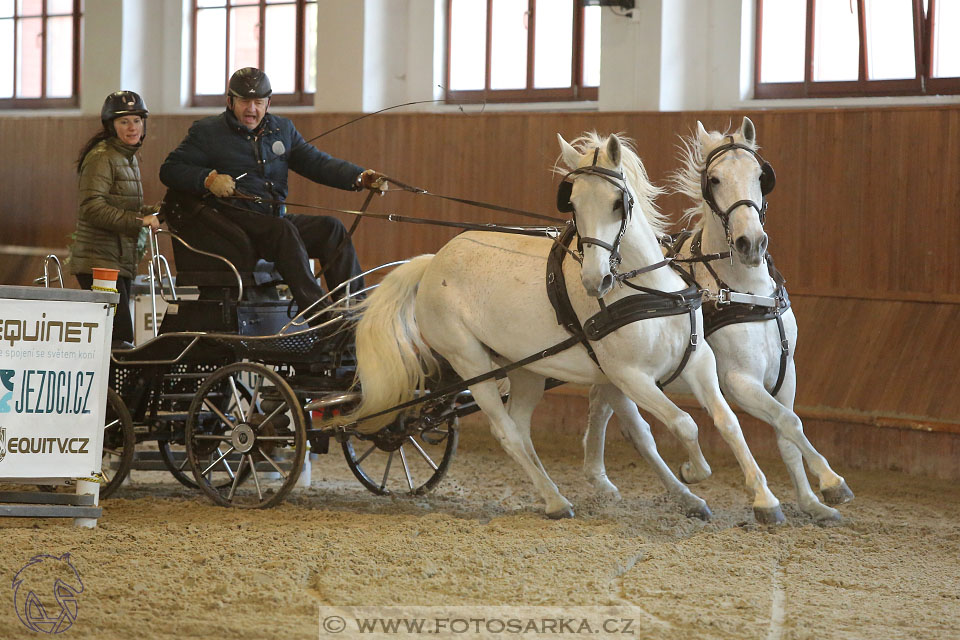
pixel 522 50
pixel 231 34
pixel 836 48
pixel 39 53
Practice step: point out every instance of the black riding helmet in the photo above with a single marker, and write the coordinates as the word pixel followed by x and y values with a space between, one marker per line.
pixel 249 82
pixel 119 104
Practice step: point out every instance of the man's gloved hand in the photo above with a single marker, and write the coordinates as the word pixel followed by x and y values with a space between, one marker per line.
pixel 372 180
pixel 219 184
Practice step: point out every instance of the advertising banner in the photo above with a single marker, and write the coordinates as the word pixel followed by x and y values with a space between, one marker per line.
pixel 54 363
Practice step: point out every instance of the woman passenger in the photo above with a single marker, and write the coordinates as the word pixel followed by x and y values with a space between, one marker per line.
pixel 112 217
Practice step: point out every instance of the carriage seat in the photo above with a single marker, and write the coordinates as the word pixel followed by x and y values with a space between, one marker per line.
pixel 260 311
pixel 215 233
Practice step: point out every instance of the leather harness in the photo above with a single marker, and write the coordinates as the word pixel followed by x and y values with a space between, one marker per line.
pixel 725 309
pixel 650 303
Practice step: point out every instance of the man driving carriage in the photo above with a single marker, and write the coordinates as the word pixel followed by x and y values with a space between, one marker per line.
pixel 246 151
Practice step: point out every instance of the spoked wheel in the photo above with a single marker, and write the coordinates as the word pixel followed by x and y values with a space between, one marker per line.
pixel 118 444
pixel 245 452
pixel 395 461
pixel 174 457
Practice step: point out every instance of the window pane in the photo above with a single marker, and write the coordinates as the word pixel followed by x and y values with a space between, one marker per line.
pixel 6 10
pixel 236 2
pixel 211 39
pixel 30 7
pixel 59 7
pixel 946 39
pixel 244 38
pixel 553 49
pixel 508 42
pixel 890 53
pixel 60 57
pixel 783 40
pixel 591 46
pixel 310 50
pixel 836 35
pixel 468 44
pixel 29 65
pixel 6 58
pixel 280 47
pixel 211 3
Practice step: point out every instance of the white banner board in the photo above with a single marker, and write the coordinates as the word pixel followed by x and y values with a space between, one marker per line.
pixel 54 366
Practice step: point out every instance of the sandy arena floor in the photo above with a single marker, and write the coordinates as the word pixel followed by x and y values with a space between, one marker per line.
pixel 164 562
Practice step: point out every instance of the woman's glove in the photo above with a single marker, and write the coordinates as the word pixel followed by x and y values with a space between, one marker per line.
pixel 219 184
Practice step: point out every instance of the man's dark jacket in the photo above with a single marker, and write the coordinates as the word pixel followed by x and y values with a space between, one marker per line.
pixel 222 143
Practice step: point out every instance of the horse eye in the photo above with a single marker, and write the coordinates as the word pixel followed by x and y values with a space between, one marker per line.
pixel 715 180
pixel 618 205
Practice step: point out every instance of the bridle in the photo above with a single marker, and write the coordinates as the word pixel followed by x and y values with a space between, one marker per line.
pixel 615 178
pixel 767 181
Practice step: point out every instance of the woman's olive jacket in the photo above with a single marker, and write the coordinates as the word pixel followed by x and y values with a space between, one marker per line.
pixel 111 210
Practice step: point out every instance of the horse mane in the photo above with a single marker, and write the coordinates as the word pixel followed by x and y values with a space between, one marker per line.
pixel 644 191
pixel 686 180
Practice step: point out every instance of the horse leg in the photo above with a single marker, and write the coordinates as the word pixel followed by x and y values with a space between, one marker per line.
pixel 642 390
pixel 470 358
pixel 637 431
pixel 750 394
pixel 598 415
pixel 833 487
pixel 701 375
pixel 526 390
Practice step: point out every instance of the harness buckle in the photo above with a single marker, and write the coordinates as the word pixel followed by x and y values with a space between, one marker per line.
pixel 694 339
pixel 785 345
pixel 723 297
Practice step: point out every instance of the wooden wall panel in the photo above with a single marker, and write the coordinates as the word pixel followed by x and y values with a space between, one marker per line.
pixel 866 199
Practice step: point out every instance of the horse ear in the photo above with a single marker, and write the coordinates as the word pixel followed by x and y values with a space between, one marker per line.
pixel 613 150
pixel 571 157
pixel 748 131
pixel 702 134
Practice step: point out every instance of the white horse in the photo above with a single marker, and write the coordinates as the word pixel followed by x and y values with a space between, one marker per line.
pixel 748 354
pixel 481 302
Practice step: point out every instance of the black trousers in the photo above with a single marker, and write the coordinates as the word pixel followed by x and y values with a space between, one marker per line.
pixel 122 323
pixel 289 241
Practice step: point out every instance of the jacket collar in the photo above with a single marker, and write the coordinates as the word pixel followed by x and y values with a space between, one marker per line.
pixel 234 124
pixel 128 150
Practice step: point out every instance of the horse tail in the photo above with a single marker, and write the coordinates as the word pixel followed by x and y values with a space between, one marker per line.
pixel 393 360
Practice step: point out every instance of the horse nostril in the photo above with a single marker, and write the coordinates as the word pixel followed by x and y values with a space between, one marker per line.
pixel 763 243
pixel 606 284
pixel 743 244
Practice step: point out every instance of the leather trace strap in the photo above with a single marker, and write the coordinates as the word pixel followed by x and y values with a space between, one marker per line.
pixel 726 307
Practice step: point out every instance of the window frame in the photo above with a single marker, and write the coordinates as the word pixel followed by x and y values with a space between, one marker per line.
pixel 576 91
pixel 44 102
pixel 921 84
pixel 300 97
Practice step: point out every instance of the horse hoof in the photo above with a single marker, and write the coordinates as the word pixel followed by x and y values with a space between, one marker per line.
pixel 563 513
pixel 701 512
pixel 828 516
pixel 839 494
pixel 773 515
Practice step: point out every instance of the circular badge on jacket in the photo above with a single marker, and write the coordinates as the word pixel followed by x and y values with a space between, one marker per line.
pixel 278 148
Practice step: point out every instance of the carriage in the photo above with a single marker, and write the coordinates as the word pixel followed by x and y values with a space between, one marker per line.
pixel 234 405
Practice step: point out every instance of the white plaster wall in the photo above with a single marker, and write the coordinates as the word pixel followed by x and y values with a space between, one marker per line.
pixel 671 55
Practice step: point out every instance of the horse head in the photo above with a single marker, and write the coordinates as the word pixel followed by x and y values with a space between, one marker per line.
pixel 733 183
pixel 604 183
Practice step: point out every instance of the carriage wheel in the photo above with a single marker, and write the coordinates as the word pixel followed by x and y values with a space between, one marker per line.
pixel 407 463
pixel 266 432
pixel 174 457
pixel 118 444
